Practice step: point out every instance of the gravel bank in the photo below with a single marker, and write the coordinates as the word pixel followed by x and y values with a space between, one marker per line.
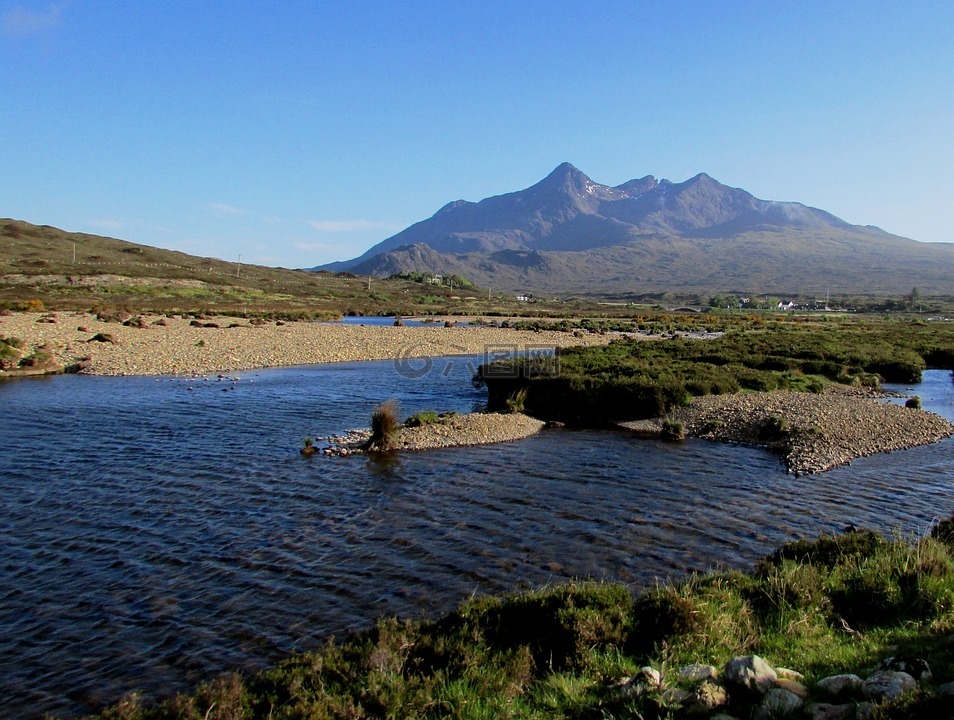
pixel 473 429
pixel 456 431
pixel 819 431
pixel 178 348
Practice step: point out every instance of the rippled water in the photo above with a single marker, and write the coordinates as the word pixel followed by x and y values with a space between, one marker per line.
pixel 158 531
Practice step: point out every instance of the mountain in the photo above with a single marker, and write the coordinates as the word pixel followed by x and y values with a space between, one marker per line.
pixel 569 234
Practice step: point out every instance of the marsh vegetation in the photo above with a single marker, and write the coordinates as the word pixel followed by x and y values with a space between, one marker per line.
pixel 634 378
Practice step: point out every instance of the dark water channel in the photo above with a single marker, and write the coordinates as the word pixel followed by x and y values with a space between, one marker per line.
pixel 155 532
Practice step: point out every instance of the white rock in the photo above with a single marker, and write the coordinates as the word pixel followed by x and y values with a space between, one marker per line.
pixel 698 672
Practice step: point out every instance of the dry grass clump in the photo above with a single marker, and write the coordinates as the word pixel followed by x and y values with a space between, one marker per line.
pixel 385 427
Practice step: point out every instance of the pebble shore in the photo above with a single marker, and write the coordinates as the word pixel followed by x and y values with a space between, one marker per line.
pixel 823 430
pixel 456 431
pixel 179 348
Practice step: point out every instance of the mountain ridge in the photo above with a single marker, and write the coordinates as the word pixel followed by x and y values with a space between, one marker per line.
pixel 567 233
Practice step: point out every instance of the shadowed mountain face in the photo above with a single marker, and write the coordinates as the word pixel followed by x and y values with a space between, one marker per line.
pixel 568 234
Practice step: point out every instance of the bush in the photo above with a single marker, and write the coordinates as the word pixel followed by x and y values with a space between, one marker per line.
pixel 385 427
pixel 913 402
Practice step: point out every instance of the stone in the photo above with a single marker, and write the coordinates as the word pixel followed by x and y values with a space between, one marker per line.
pixel 793 686
pixel 864 711
pixel 787 674
pixel 888 685
pixel 750 673
pixel 707 697
pixel 915 667
pixel 646 679
pixel 946 690
pixel 698 672
pixel 826 711
pixel 838 687
pixel 649 676
pixel 777 703
pixel 676 696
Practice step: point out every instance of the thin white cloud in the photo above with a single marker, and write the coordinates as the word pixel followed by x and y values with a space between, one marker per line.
pixel 348 225
pixel 22 21
pixel 225 209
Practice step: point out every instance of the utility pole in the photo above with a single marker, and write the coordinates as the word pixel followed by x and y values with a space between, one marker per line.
pixel 238 267
pixel 369 283
pixel 74 252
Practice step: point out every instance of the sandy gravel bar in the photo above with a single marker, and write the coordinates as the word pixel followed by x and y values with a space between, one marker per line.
pixel 823 430
pixel 456 431
pixel 177 348
pixel 473 429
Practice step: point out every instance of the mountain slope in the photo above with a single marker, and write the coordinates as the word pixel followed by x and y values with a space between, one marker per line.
pixel 569 234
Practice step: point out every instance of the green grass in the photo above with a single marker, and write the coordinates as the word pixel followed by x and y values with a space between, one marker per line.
pixel 834 605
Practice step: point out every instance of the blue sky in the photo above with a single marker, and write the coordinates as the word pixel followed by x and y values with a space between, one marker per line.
pixel 297 133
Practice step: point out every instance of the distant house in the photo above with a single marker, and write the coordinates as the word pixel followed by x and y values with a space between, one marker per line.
pixel 523 298
pixel 785 306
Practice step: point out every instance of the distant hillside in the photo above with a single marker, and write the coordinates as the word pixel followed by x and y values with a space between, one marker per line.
pixel 63 270
pixel 568 234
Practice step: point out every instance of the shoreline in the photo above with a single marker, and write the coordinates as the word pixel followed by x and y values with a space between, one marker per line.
pixel 161 345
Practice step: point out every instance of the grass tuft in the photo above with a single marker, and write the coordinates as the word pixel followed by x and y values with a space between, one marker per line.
pixel 385 427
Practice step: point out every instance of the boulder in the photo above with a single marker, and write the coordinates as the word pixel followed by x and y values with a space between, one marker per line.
pixel 826 711
pixel 946 690
pixel 839 687
pixel 750 673
pixel 777 703
pixel 888 685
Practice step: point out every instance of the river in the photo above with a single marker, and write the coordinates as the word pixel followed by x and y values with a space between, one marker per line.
pixel 158 531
